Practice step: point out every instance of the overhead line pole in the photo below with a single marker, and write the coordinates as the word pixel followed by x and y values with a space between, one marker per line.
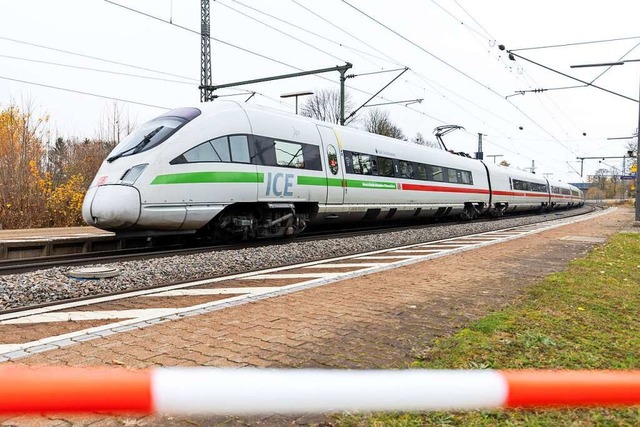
pixel 582 159
pixel 205 51
pixel 342 69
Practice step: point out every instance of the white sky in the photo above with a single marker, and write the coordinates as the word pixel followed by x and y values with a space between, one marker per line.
pixel 100 29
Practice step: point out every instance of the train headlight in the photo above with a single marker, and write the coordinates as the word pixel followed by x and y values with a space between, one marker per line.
pixel 132 174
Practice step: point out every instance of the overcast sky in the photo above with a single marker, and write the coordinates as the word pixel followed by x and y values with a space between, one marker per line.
pixel 451 47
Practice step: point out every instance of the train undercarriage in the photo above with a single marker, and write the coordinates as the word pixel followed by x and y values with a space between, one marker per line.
pixel 248 221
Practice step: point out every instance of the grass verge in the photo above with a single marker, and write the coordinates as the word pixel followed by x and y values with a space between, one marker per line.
pixel 584 318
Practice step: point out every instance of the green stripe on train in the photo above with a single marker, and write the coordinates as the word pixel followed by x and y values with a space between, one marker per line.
pixel 319 180
pixel 258 177
pixel 209 177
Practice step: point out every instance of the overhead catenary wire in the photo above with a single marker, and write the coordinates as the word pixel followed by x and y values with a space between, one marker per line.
pixel 279 31
pixel 474 20
pixel 98 70
pixel 473 30
pixel 68 52
pixel 393 61
pixel 619 59
pixel 128 101
pixel 571 77
pixel 358 52
pixel 491 40
pixel 423 49
pixel 450 66
pixel 249 51
pixel 576 43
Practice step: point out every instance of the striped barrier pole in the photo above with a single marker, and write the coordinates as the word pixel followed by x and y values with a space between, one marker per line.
pixel 247 391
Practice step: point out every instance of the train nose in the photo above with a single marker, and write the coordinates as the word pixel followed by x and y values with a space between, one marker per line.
pixel 112 206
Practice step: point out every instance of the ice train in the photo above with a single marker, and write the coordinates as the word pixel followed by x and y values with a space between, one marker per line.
pixel 228 169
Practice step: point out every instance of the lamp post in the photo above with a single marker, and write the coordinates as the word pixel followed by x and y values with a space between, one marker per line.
pixel 296 94
pixel 611 64
pixel 494 156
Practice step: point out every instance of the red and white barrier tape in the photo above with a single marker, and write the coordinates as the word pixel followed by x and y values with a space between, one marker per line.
pixel 259 391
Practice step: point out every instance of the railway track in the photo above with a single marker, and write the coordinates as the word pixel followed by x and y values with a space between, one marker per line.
pixel 25 265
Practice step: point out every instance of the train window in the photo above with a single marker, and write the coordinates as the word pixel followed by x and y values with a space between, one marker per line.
pixel 363 164
pixel 153 133
pixel 405 169
pixel 289 154
pixel 437 173
pixel 385 166
pixel 262 151
pixel 465 177
pixel 221 149
pixel 357 168
pixel 518 185
pixel 421 171
pixel 200 153
pixel 239 149
pixel 332 159
pixel 311 155
pixel 452 174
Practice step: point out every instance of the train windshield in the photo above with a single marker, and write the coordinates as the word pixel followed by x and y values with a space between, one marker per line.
pixel 153 132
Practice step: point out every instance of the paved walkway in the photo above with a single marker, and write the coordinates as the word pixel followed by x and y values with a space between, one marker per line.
pixel 385 319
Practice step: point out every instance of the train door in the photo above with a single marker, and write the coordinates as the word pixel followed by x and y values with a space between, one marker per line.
pixel 333 165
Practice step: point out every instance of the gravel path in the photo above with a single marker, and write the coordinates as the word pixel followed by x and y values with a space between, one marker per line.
pixel 21 290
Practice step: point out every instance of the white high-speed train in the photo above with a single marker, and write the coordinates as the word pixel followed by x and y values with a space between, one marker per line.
pixel 236 170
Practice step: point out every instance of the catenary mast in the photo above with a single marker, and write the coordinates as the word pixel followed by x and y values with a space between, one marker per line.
pixel 205 51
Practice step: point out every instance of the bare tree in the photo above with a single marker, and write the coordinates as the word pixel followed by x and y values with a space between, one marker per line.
pixel 420 140
pixel 324 105
pixel 599 179
pixel 115 124
pixel 377 121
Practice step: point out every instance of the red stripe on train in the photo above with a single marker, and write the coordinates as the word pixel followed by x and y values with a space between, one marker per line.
pixel 435 188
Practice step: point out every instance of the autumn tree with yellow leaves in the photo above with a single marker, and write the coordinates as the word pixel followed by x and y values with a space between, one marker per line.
pixel 41 185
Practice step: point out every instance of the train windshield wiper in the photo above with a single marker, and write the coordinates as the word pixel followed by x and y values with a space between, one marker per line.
pixel 139 146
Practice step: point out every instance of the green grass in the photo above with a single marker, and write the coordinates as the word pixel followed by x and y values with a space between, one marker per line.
pixel 587 317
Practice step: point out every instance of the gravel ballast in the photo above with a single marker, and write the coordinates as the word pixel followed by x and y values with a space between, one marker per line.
pixel 53 284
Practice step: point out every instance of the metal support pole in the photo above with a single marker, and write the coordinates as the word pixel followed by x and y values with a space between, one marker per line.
pixel 479 154
pixel 342 80
pixel 581 167
pixel 637 220
pixel 205 52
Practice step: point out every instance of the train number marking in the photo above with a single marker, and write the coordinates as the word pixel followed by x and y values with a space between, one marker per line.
pixel 280 184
